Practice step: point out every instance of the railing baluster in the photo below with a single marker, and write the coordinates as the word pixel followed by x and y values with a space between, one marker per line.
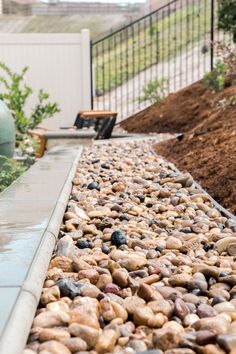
pixel 168 40
pixel 121 72
pixel 139 76
pixel 133 67
pixel 116 58
pixel 175 40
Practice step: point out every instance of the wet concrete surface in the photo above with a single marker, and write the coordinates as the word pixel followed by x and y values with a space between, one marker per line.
pixel 26 210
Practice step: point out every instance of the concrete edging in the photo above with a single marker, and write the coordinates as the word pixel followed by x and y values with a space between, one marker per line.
pixel 18 325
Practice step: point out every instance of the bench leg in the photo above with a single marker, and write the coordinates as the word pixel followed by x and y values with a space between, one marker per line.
pixel 79 122
pixel 42 147
pixel 106 129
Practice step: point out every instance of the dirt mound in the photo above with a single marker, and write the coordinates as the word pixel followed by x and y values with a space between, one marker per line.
pixel 208 147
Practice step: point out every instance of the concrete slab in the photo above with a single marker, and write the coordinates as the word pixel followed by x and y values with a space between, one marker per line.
pixel 26 191
pixel 8 297
pixel 17 250
pixel 25 213
pixel 34 177
pixel 31 210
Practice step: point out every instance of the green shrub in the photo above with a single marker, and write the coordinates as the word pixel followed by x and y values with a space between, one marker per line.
pixel 154 91
pixel 215 79
pixel 227 17
pixel 15 94
pixel 9 171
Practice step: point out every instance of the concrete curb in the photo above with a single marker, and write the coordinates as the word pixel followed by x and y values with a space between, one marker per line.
pixel 19 323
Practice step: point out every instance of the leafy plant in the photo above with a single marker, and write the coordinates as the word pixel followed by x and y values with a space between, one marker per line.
pixel 228 56
pixel 154 91
pixel 16 93
pixel 9 171
pixel 215 79
pixel 227 17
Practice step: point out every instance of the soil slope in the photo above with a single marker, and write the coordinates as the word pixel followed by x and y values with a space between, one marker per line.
pixel 208 147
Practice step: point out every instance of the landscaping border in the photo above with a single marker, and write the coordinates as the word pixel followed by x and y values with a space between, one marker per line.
pixel 18 321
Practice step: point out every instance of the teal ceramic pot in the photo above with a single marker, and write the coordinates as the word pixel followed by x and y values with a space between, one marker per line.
pixel 7 131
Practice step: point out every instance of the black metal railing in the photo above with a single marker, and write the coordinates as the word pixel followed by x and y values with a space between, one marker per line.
pixel 169 48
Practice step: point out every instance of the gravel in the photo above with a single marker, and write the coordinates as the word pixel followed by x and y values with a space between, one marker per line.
pixel 145 263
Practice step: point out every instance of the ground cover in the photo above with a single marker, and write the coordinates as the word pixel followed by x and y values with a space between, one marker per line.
pixel 207 149
pixel 144 261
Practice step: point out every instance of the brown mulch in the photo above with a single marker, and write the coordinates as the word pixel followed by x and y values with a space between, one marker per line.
pixel 208 147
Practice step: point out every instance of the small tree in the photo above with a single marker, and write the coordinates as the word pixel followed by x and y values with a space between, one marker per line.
pixel 15 93
pixel 154 91
pixel 227 17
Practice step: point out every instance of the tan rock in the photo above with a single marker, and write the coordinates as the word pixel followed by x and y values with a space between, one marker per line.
pixel 91 274
pixel 173 243
pixel 88 334
pixel 132 303
pixel 224 243
pixel 79 264
pixel 98 213
pixel 90 291
pixel 165 339
pixel 157 320
pixel 50 295
pixel 142 315
pixel 133 262
pixel 62 262
pixel 120 312
pixel 80 213
pixel 162 306
pixel 225 307
pixel 75 344
pixel 180 279
pixel 107 310
pixel 103 280
pixel 145 291
pixel 85 311
pixel 216 324
pixel 54 347
pixel 190 319
pixel 48 334
pixel 180 351
pixel 118 187
pixel 51 319
pixel 174 326
pixel 54 274
pixel 106 341
pixel 121 277
pixel 57 306
pixel 212 349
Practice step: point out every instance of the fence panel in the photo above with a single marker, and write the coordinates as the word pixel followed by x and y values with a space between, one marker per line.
pixel 58 63
pixel 169 48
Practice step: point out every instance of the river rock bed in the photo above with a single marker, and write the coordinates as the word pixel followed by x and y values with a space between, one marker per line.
pixel 144 262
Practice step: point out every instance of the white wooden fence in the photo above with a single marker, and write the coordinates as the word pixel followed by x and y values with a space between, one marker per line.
pixel 58 63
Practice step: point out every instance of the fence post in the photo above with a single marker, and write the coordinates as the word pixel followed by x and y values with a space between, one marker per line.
pixel 85 70
pixel 212 32
pixel 91 73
